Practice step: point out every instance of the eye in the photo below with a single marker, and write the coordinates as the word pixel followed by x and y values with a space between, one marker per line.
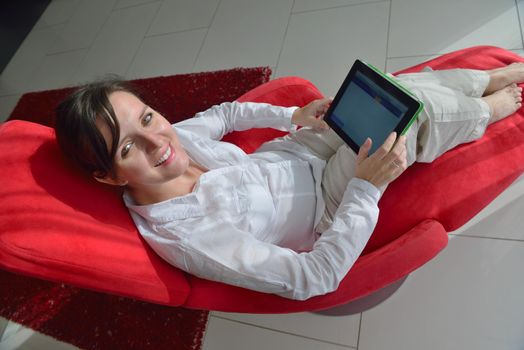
pixel 126 149
pixel 147 119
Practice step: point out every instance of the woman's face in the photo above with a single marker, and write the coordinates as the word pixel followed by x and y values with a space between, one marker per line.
pixel 149 152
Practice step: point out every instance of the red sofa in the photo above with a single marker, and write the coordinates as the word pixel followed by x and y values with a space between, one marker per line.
pixel 60 225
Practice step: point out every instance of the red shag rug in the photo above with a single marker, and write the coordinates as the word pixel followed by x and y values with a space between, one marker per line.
pixel 91 320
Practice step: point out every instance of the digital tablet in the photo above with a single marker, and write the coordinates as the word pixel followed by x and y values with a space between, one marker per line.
pixel 371 104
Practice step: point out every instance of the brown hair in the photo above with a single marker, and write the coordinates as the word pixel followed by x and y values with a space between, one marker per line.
pixel 75 125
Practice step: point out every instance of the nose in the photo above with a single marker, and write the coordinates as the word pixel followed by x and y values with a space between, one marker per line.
pixel 150 140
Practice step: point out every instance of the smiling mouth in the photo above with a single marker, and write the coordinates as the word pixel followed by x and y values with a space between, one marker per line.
pixel 164 157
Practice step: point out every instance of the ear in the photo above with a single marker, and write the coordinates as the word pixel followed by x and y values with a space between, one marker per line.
pixel 109 180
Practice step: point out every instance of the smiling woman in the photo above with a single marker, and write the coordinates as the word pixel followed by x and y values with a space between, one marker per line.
pixel 292 217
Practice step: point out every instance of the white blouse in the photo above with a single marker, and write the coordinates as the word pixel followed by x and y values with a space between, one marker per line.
pixel 250 219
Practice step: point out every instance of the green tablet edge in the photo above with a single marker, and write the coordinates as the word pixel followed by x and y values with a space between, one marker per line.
pixel 397 84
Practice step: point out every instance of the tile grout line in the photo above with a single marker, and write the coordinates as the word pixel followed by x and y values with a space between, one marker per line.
pixel 11 95
pixel 68 81
pixel 483 237
pixel 337 7
pixel 283 39
pixel 283 332
pixel 175 32
pixel 36 68
pixel 387 37
pixel 64 22
pixel 142 41
pixel 204 336
pixel 41 27
pixel 438 54
pixel 135 5
pixel 359 330
pixel 520 23
pixel 205 36
pixel 66 51
pixel 415 56
pixel 88 49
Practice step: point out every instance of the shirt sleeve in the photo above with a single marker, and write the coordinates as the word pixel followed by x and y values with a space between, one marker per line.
pixel 222 119
pixel 234 257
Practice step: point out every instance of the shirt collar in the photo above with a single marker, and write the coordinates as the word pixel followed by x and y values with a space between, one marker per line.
pixel 177 208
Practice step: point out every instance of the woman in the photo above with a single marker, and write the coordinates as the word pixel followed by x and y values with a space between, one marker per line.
pixel 292 217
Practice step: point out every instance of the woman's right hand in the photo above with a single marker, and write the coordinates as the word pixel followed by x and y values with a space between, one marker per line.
pixel 385 165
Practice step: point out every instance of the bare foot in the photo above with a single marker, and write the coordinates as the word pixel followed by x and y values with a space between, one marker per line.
pixel 504 102
pixel 504 76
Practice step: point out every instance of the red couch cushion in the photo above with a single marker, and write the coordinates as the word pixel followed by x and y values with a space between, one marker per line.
pixel 57 224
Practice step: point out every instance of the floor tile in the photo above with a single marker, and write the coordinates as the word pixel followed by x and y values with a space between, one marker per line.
pixel 426 27
pixel 7 104
pixel 395 64
pixel 501 218
pixel 317 45
pixel 338 329
pixel 17 337
pixel 3 325
pixel 167 54
pixel 81 31
pixel 56 70
pixel 178 15
pixel 519 52
pixel 520 10
pixel 227 335
pixel 245 33
pixel 468 297
pixel 312 5
pixel 128 3
pixel 58 11
pixel 16 77
pixel 117 43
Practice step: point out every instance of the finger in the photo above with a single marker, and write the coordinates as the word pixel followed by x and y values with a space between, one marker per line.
pixel 404 157
pixel 397 152
pixel 320 125
pixel 383 150
pixel 394 167
pixel 324 105
pixel 364 150
pixel 398 165
pixel 323 125
pixel 314 108
pixel 403 160
pixel 400 144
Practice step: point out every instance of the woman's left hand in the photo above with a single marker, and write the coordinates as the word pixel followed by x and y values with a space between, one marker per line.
pixel 312 114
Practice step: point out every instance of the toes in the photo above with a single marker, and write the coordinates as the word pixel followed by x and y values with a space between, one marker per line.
pixel 514 90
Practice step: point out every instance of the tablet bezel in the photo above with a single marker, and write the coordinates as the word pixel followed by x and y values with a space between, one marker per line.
pixel 391 87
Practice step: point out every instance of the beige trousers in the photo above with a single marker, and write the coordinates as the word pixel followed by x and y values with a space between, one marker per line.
pixel 453 114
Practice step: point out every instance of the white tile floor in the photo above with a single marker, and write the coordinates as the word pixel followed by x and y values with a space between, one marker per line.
pixel 469 297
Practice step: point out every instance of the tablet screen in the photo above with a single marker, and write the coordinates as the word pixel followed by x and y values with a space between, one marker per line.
pixel 370 111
